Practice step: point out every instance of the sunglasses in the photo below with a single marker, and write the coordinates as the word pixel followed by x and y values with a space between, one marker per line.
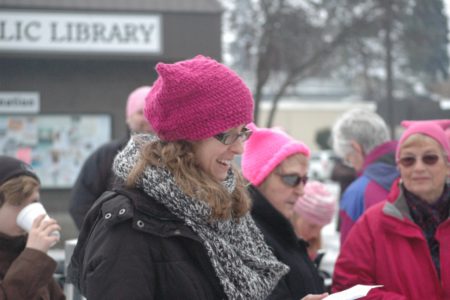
pixel 293 180
pixel 228 138
pixel 428 159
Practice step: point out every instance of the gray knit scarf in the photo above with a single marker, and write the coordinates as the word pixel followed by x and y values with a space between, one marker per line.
pixel 244 264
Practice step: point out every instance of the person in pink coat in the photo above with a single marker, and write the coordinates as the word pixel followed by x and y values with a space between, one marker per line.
pixel 403 243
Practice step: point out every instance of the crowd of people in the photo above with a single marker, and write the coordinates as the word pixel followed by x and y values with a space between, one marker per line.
pixel 164 213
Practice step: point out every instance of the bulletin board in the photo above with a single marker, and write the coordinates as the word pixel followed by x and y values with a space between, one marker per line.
pixel 56 146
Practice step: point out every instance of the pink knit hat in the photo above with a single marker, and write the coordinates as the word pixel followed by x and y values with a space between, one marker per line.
pixel 196 99
pixel 431 128
pixel 265 150
pixel 317 205
pixel 136 100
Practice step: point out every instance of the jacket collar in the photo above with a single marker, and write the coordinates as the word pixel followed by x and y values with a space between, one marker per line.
pixel 265 213
pixel 384 153
pixel 397 212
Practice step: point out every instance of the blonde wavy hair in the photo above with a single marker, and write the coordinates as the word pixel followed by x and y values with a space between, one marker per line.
pixel 178 158
pixel 17 190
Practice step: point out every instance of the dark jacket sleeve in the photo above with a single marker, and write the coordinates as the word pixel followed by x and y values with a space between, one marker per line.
pixel 111 260
pixel 131 270
pixel 29 275
pixel 281 291
pixel 94 179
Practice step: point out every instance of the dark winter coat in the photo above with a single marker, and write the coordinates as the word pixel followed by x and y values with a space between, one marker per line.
pixel 96 177
pixel 132 247
pixel 303 277
pixel 26 274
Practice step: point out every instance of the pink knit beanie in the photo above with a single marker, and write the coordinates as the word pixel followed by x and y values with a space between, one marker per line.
pixel 136 100
pixel 196 99
pixel 317 205
pixel 431 128
pixel 265 150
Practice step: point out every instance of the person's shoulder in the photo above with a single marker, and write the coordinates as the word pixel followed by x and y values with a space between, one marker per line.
pixel 113 145
pixel 374 214
pixel 357 187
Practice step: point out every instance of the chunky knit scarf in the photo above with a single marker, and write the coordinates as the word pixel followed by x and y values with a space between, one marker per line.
pixel 245 266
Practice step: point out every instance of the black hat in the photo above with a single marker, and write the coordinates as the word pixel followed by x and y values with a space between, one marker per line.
pixel 12 167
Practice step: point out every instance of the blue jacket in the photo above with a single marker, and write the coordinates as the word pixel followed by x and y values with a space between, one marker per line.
pixel 372 186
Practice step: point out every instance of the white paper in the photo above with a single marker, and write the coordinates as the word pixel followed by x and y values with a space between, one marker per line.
pixel 355 292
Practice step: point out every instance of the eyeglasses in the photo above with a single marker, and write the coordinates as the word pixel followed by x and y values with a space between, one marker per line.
pixel 293 180
pixel 428 159
pixel 228 138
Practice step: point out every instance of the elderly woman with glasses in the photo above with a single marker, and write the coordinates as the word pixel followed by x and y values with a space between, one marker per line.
pixel 180 226
pixel 403 243
pixel 276 166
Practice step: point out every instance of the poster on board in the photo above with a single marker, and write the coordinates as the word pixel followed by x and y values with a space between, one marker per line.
pixel 55 145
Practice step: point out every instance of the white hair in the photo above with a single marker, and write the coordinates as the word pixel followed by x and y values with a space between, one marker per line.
pixel 364 127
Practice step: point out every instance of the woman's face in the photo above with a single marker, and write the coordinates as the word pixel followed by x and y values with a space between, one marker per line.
pixel 214 157
pixel 425 180
pixel 9 212
pixel 280 195
pixel 138 123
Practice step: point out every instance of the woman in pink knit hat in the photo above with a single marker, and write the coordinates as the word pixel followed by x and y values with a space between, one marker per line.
pixel 312 212
pixel 276 165
pixel 403 243
pixel 179 227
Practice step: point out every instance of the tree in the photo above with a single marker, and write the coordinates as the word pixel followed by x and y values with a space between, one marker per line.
pixel 426 41
pixel 287 41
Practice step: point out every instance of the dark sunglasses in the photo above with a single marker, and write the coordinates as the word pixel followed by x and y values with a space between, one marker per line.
pixel 228 138
pixel 293 180
pixel 428 159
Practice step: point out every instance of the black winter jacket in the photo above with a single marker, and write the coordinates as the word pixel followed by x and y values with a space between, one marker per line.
pixel 303 277
pixel 131 247
pixel 95 178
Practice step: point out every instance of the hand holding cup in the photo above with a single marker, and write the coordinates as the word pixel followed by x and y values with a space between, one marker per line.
pixel 43 231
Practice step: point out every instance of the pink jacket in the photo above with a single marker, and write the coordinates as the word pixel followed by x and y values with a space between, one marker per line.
pixel 386 247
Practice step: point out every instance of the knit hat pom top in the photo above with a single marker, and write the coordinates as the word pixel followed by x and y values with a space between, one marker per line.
pixel 317 205
pixel 196 99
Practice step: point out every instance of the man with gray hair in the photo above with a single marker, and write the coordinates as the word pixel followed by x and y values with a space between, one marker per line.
pixel 361 138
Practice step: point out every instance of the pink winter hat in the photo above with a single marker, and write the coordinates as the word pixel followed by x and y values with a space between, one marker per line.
pixel 136 100
pixel 317 205
pixel 196 99
pixel 431 128
pixel 265 150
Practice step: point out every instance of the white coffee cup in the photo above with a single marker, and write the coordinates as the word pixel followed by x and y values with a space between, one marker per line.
pixel 29 213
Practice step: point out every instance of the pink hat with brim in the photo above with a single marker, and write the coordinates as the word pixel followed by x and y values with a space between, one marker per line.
pixel 317 205
pixel 265 150
pixel 431 128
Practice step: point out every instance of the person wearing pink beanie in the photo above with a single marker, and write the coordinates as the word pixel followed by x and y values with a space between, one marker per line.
pixel 403 243
pixel 135 110
pixel 179 227
pixel 312 212
pixel 276 165
pixel 95 176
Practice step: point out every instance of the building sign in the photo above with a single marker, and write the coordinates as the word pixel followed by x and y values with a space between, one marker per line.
pixel 33 31
pixel 19 102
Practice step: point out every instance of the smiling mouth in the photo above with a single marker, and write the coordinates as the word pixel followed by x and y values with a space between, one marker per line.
pixel 226 163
